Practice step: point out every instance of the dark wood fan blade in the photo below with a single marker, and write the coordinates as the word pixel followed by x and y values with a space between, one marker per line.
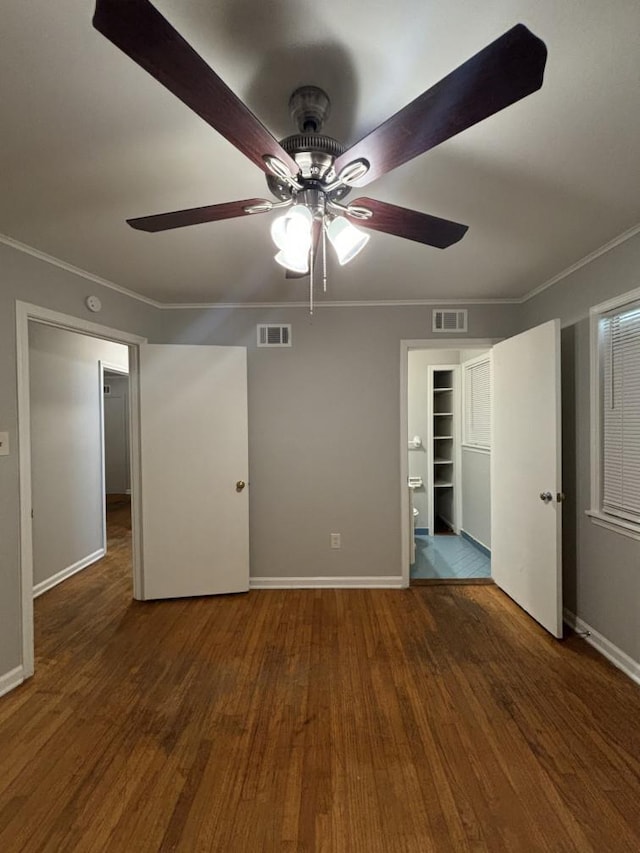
pixel 317 231
pixel 195 215
pixel 409 224
pixel 504 72
pixel 138 29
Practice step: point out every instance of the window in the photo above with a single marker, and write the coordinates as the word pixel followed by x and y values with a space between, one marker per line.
pixel 477 402
pixel 615 416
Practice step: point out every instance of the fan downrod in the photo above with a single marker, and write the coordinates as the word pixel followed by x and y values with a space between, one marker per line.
pixel 309 108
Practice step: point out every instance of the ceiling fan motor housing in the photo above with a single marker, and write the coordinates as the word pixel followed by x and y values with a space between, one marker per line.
pixel 313 152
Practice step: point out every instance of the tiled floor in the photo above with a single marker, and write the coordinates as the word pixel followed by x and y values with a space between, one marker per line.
pixel 449 557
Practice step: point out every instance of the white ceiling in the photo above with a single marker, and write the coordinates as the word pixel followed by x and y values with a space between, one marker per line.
pixel 88 139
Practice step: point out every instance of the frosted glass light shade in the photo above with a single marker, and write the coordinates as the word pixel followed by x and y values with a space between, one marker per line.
pixel 346 239
pixel 292 232
pixel 294 262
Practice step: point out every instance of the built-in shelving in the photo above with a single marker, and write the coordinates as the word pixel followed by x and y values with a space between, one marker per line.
pixel 443 443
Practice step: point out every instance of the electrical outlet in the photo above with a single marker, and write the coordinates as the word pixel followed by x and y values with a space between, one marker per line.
pixel 335 540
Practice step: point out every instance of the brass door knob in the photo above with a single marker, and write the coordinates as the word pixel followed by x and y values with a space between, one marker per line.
pixel 240 485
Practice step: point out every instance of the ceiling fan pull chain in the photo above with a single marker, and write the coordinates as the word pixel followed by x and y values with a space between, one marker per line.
pixel 324 250
pixel 311 253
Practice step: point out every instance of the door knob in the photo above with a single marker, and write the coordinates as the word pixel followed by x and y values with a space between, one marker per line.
pixel 546 497
pixel 240 485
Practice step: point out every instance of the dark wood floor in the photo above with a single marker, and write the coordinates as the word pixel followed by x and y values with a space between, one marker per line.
pixel 364 721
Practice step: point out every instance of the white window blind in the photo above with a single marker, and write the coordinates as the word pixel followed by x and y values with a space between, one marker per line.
pixel 621 414
pixel 477 403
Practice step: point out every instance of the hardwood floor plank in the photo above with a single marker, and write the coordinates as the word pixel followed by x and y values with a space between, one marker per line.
pixel 427 720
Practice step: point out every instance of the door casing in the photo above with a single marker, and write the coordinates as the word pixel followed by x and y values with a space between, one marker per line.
pixel 26 313
pixel 405 347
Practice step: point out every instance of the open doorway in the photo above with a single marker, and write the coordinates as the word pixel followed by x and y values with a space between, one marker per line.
pixel 67 450
pixel 83 540
pixel 446 453
pixel 114 389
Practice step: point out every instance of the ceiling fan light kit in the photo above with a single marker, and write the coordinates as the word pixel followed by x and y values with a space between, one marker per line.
pixel 311 173
pixel 346 239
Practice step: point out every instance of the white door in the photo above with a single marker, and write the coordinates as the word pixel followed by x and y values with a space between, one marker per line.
pixel 194 467
pixel 525 465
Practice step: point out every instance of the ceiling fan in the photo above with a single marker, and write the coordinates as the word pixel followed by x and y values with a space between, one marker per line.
pixel 311 173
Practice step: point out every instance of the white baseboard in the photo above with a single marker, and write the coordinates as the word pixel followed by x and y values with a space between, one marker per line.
pixel 617 657
pixel 372 582
pixel 11 679
pixel 54 580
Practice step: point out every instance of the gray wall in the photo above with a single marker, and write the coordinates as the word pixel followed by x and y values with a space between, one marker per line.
pixel 601 568
pixel 116 435
pixel 324 421
pixel 31 280
pixel 324 430
pixel 66 446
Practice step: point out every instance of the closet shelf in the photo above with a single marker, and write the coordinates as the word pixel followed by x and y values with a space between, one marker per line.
pixel 443 424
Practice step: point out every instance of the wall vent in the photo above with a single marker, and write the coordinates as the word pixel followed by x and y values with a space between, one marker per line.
pixel 449 320
pixel 274 335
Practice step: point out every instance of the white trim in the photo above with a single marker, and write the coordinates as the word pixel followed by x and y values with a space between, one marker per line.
pixel 63 265
pixel 103 467
pixel 371 582
pixel 405 347
pixel 135 472
pixel 26 312
pixel 115 368
pixel 515 300
pixel 587 259
pixel 615 302
pixel 616 525
pixel 594 409
pixel 73 569
pixel 24 484
pixel 595 513
pixel 11 679
pixel 618 658
pixel 378 303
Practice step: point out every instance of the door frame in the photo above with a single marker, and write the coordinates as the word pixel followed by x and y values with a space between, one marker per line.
pixel 25 313
pixel 405 347
pixel 112 368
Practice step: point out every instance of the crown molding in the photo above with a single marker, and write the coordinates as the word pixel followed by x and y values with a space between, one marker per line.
pixel 390 303
pixel 63 265
pixel 587 259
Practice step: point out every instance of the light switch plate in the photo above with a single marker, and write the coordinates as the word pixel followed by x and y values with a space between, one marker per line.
pixel 4 443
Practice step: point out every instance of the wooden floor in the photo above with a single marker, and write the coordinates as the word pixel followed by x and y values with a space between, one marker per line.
pixel 365 721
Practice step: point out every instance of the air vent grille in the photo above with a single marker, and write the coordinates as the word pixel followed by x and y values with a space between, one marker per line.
pixel 449 320
pixel 274 335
